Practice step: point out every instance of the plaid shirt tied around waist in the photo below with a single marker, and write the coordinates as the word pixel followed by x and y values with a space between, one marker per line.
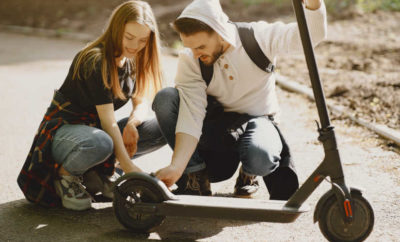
pixel 36 178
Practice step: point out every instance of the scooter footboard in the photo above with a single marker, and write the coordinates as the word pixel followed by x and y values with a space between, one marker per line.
pixel 230 208
pixel 148 195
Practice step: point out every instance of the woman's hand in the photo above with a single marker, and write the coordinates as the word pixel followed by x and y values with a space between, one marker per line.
pixel 130 137
pixel 169 175
pixel 121 145
pixel 128 167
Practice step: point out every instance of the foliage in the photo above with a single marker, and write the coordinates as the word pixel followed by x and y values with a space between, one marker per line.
pixel 337 6
pixel 252 2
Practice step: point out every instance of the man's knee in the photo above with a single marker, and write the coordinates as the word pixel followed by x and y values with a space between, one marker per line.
pixel 165 100
pixel 282 183
pixel 221 165
pixel 261 162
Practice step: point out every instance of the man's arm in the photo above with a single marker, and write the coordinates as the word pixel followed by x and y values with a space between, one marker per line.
pixel 192 109
pixel 185 145
pixel 279 38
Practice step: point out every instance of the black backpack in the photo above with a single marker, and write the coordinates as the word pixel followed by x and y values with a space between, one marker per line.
pixel 253 50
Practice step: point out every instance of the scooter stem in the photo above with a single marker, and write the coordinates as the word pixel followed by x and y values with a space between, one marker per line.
pixel 311 64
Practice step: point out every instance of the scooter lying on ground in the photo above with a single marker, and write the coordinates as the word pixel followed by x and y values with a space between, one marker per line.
pixel 141 201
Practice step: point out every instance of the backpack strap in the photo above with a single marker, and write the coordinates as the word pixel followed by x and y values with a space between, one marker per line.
pixel 253 50
pixel 250 45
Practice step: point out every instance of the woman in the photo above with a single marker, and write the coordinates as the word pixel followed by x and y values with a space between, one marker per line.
pixel 79 135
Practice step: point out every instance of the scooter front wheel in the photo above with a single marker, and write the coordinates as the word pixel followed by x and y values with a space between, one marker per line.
pixel 334 228
pixel 128 197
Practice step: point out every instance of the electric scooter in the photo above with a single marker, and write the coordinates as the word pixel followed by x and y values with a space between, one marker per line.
pixel 141 201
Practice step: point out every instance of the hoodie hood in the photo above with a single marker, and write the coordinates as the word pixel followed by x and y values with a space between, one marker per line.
pixel 210 13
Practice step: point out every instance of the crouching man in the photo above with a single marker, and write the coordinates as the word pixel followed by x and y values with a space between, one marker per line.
pixel 223 109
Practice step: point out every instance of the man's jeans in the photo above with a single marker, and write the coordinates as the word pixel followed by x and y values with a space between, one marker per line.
pixel 79 147
pixel 259 147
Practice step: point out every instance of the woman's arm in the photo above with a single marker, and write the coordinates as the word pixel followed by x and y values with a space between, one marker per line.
pixel 130 134
pixel 139 112
pixel 110 126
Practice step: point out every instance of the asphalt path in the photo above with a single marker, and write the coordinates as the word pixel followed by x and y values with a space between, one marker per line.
pixel 31 68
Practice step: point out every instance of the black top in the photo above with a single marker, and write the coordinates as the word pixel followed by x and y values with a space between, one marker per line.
pixel 89 92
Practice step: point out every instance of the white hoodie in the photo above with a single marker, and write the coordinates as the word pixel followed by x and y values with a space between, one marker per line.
pixel 237 82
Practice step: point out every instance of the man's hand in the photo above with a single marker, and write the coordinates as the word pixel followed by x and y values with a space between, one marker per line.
pixel 169 175
pixel 312 4
pixel 185 145
pixel 130 137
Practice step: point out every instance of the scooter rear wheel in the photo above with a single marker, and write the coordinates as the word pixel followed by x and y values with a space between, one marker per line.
pixel 334 228
pixel 132 193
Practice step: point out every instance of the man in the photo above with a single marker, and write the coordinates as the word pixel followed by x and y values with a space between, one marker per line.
pixel 240 87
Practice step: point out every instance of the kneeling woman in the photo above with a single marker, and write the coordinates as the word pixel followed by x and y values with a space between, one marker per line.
pixel 79 136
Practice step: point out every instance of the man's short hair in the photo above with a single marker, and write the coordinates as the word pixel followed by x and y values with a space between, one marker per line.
pixel 190 26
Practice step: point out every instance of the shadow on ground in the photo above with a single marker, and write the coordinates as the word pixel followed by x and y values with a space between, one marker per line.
pixel 21 220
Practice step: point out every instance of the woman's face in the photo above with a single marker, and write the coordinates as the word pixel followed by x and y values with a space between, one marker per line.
pixel 134 39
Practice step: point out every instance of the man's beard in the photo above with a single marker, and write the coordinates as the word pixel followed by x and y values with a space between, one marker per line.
pixel 215 55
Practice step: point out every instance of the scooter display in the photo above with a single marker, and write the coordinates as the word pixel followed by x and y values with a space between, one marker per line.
pixel 141 201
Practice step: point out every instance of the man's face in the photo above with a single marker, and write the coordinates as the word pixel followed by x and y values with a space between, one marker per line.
pixel 208 47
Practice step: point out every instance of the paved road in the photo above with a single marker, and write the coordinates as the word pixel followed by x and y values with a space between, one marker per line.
pixel 32 67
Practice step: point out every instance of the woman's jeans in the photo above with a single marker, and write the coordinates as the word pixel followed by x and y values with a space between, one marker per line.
pixel 258 148
pixel 79 147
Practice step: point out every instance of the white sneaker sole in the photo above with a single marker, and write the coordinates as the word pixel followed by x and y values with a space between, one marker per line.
pixel 73 205
pixel 84 205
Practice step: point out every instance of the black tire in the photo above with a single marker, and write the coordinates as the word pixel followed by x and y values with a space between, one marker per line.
pixel 334 228
pixel 127 195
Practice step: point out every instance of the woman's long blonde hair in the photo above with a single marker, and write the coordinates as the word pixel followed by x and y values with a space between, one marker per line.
pixel 108 46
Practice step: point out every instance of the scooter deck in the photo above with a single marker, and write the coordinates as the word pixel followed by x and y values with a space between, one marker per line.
pixel 230 208
pixel 212 206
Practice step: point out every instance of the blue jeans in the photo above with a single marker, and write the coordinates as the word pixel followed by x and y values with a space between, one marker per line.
pixel 258 148
pixel 79 147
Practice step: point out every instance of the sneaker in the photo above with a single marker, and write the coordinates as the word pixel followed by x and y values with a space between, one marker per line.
pixel 119 171
pixel 73 195
pixel 195 183
pixel 96 182
pixel 246 185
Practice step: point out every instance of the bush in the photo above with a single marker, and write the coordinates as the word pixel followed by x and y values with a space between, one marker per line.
pixel 252 2
pixel 337 6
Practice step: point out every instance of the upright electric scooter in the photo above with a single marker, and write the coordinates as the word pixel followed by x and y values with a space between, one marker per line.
pixel 141 201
